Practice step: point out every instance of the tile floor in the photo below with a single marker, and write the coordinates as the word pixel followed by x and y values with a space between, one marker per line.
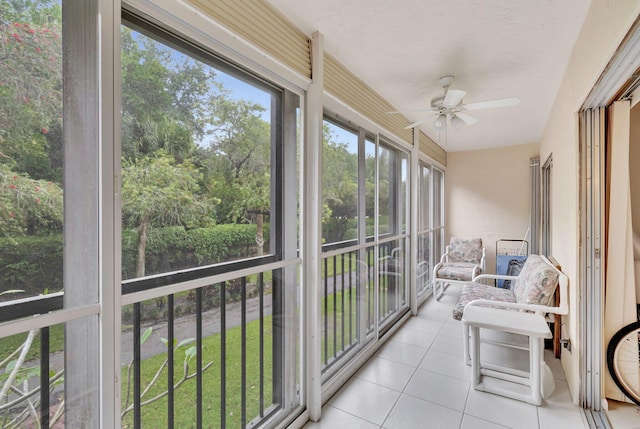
pixel 623 415
pixel 418 380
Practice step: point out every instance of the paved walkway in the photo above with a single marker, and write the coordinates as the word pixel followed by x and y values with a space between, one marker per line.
pixel 185 327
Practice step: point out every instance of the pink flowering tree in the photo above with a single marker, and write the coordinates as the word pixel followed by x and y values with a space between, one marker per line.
pixel 30 117
pixel 30 87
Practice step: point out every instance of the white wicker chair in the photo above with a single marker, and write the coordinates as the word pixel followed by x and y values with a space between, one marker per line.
pixel 462 262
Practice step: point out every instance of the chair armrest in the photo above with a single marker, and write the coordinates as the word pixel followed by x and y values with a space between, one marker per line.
pixel 494 277
pixel 539 309
pixel 445 255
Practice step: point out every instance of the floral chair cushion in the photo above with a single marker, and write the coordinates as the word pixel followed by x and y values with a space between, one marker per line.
pixel 471 291
pixel 462 271
pixel 465 250
pixel 536 283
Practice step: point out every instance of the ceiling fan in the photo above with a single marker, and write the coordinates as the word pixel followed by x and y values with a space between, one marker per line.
pixel 450 106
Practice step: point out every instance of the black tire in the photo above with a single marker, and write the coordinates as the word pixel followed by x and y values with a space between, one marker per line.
pixel 617 354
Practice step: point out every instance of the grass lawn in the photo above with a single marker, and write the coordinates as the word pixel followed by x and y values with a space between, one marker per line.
pixel 9 344
pixel 155 414
pixel 342 304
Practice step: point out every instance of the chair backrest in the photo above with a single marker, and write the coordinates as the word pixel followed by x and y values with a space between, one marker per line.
pixel 537 281
pixel 465 250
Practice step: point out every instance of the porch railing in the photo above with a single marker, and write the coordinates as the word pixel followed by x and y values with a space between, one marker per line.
pixel 215 355
pixel 351 308
pixel 238 377
pixel 27 378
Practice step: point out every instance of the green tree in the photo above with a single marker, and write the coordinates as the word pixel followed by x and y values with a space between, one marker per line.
pixel 38 12
pixel 240 135
pixel 340 187
pixel 31 87
pixel 166 98
pixel 156 191
pixel 28 206
pixel 240 161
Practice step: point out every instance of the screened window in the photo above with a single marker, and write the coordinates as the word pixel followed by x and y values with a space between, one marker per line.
pixel 32 164
pixel 210 274
pixel 547 169
pixel 438 212
pixel 198 167
pixel 339 183
pixel 49 235
pixel 425 232
pixel 370 184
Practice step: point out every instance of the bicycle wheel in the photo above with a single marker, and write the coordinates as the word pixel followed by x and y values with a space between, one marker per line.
pixel 623 360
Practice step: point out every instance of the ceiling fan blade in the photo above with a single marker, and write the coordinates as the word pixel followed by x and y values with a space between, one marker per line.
pixel 453 98
pixel 410 111
pixel 468 119
pixel 500 102
pixel 415 124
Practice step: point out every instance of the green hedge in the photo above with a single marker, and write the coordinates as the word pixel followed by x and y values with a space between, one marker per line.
pixel 175 248
pixel 34 263
pixel 31 263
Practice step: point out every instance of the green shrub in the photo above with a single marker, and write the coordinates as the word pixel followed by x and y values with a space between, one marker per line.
pixel 31 263
pixel 34 263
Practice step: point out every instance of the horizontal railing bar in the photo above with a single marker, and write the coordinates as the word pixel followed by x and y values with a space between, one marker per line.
pixel 25 307
pixel 205 281
pixel 341 250
pixel 344 250
pixel 339 245
pixel 49 319
pixel 426 231
pixel 163 279
pixel 390 239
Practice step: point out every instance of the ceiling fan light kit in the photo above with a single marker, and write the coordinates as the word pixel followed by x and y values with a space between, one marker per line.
pixel 440 123
pixel 450 105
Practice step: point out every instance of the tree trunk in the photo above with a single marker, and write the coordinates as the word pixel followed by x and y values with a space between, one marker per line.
pixel 259 233
pixel 142 245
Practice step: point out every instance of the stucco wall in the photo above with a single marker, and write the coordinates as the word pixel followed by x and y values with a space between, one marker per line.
pixel 605 26
pixel 487 195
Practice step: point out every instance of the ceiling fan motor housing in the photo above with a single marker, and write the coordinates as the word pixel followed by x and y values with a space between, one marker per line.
pixel 436 102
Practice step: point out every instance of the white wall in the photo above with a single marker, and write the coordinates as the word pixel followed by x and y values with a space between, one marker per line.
pixel 634 161
pixel 487 195
pixel 605 26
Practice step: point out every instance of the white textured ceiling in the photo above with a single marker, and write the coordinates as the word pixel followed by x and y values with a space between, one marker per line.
pixel 494 48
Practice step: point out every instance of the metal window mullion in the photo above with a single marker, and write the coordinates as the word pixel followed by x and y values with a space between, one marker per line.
pixel 413 222
pixel 89 41
pixel 362 304
pixel 376 251
pixel 335 306
pixel 243 352
pixel 290 232
pixel 261 341
pixel 326 313
pixel 350 298
pixel 312 208
pixel 342 284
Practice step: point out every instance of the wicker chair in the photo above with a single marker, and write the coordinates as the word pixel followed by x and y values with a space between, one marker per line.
pixel 462 261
